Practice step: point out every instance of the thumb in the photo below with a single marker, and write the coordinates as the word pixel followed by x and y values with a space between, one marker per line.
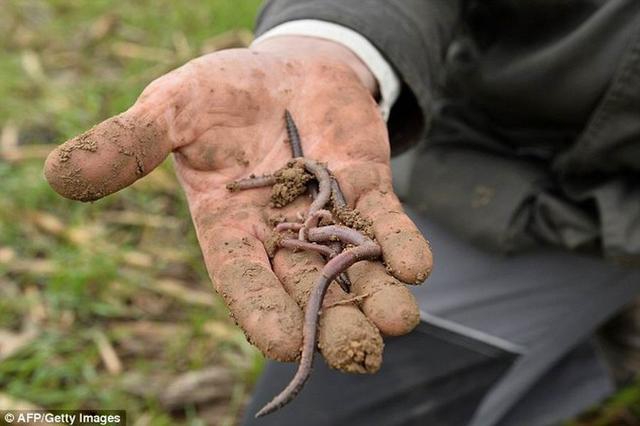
pixel 110 156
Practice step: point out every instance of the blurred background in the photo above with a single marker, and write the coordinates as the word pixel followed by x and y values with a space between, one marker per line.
pixel 108 305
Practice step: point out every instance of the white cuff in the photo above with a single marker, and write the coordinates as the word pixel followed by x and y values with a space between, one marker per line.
pixel 388 81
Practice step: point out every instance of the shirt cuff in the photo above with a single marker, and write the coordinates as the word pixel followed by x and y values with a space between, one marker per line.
pixel 388 81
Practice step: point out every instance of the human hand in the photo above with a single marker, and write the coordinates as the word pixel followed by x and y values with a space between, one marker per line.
pixel 222 117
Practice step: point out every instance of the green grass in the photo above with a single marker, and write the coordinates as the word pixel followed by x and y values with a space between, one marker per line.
pixel 70 272
pixel 623 409
pixel 63 64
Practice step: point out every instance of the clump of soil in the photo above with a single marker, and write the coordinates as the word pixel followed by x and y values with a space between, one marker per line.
pixel 85 142
pixel 291 182
pixel 353 219
pixel 353 349
pixel 272 244
pixel 276 219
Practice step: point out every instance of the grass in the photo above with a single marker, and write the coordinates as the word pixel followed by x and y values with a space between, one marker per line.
pixel 107 305
pixel 79 61
pixel 623 409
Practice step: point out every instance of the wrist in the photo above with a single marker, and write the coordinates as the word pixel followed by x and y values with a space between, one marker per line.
pixel 320 48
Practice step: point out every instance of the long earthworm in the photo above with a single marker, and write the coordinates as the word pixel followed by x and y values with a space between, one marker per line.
pixel 328 240
pixel 368 249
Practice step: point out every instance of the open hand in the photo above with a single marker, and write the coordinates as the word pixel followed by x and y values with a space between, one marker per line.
pixel 222 117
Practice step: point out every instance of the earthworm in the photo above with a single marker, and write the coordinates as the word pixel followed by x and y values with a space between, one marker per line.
pixel 324 184
pixel 312 221
pixel 330 250
pixel 367 250
pixel 328 240
pixel 295 244
pixel 252 182
pixel 289 226
pixel 337 197
pixel 339 202
pixel 343 281
pixel 337 232
pixel 293 134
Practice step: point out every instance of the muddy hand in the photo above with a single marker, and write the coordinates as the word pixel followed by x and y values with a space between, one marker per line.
pixel 222 117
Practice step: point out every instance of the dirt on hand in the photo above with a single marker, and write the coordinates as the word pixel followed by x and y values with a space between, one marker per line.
pixel 354 219
pixel 105 151
pixel 291 182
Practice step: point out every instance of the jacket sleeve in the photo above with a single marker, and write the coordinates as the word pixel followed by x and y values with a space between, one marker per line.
pixel 412 35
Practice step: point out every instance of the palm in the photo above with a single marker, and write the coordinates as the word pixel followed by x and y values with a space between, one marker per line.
pixel 222 116
pixel 231 124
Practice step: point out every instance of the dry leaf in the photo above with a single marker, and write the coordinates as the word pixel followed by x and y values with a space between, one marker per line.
pixel 37 308
pixel 25 153
pixel 103 26
pixel 8 402
pixel 143 420
pixel 47 222
pixel 30 266
pixel 198 387
pixel 10 342
pixel 227 40
pixel 32 66
pixel 137 259
pixel 7 254
pixel 138 51
pixel 146 337
pixel 181 46
pixel 179 290
pixel 107 352
pixel 9 137
pixel 220 331
pixel 86 235
pixel 128 217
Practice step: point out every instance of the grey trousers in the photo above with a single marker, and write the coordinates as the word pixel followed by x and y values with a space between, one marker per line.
pixel 505 341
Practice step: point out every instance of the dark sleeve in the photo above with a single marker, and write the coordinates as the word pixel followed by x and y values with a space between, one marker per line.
pixel 411 34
